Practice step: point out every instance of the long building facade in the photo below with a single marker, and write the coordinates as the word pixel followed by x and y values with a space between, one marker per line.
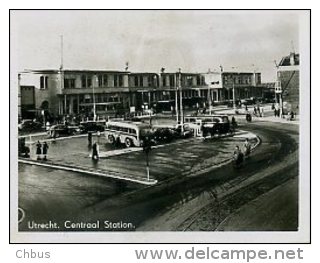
pixel 79 92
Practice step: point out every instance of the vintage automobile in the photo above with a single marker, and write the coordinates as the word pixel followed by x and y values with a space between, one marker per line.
pixel 92 126
pixel 216 125
pixel 187 131
pixel 29 126
pixel 62 130
pixel 164 135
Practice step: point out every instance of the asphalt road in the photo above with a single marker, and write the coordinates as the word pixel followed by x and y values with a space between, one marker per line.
pixel 172 204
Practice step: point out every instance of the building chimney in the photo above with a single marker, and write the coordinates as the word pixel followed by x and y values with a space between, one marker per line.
pixel 292 59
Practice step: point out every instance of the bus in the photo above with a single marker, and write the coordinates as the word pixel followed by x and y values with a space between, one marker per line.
pixel 208 124
pixel 127 132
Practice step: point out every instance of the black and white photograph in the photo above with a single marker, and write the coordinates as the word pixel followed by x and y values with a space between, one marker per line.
pixel 134 126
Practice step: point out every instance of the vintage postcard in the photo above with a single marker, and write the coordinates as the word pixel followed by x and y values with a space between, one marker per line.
pixel 160 126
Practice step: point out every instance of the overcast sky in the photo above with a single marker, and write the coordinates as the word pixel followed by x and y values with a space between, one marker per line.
pixel 191 40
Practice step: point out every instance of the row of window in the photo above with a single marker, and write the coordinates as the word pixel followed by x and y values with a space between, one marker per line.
pixel 138 81
pixel 237 79
pixel 122 129
pixel 86 81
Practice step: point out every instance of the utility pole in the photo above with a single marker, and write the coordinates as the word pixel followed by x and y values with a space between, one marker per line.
pixel 176 98
pixel 233 94
pixel 61 50
pixel 181 106
pixel 94 101
pixel 63 108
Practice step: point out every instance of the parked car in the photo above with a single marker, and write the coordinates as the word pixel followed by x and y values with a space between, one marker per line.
pixel 92 126
pixel 63 130
pixel 164 135
pixel 29 126
pixel 187 131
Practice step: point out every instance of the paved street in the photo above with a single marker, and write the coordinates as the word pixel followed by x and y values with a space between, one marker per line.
pixel 185 184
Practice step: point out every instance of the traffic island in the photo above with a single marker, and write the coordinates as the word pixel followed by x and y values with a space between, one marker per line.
pixel 85 170
pixel 182 158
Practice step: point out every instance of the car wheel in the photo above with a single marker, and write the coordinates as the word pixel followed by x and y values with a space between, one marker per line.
pixel 111 139
pixel 128 142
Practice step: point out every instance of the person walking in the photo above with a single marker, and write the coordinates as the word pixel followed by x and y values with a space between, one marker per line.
pixel 237 157
pixel 255 111
pixel 95 151
pixel 89 138
pixel 247 147
pixel 233 124
pixel 45 148
pixel 38 150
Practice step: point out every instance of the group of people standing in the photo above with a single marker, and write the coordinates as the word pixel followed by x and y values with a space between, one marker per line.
pixel 42 150
pixel 258 111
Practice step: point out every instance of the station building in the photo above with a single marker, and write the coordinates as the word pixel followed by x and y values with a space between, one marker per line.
pixel 74 92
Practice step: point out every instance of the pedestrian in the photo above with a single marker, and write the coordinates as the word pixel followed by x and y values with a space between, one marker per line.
pixel 292 116
pixel 45 148
pixel 89 138
pixel 258 110
pixel 237 156
pixel 262 112
pixel 38 150
pixel 233 124
pixel 248 117
pixel 247 147
pixel 255 111
pixel 95 151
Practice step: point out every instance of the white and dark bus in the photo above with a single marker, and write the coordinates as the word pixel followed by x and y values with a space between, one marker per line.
pixel 126 132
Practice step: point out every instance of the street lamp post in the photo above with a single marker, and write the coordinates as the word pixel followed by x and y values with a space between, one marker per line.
pixel 94 102
pixel 233 94
pixel 147 149
pixel 176 98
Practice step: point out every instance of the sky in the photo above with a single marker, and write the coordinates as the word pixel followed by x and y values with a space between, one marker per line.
pixel 149 40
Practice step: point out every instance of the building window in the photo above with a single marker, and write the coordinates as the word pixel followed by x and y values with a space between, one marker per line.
pixel 83 81
pixel 150 81
pixel 89 82
pixel 136 81
pixel 69 83
pixel 116 80
pixel 43 82
pixel 141 81
pixel 86 82
pixel 100 80
pixel 120 80
pixel 163 81
pixel 189 81
pixel 198 81
pixel 171 78
pixel 105 80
